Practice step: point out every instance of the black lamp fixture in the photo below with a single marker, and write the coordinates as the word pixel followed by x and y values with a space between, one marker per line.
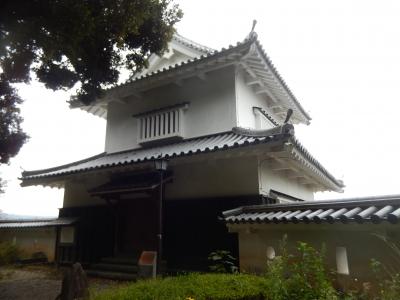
pixel 161 164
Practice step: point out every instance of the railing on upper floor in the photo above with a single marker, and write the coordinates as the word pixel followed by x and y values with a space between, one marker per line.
pixel 161 124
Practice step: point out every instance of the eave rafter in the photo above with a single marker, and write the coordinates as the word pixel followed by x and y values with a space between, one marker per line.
pixel 296 158
pixel 283 165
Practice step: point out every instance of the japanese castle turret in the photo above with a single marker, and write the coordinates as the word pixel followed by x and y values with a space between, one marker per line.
pixel 199 132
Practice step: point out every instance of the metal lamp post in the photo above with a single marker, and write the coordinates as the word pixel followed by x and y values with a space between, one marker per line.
pixel 161 166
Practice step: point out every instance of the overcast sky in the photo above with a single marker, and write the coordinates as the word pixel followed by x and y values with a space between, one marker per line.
pixel 340 58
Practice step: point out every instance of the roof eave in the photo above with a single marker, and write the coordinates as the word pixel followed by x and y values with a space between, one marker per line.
pixel 298 151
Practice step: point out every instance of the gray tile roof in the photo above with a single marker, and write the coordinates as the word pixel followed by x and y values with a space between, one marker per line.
pixel 216 142
pixel 34 223
pixel 359 210
pixel 12 217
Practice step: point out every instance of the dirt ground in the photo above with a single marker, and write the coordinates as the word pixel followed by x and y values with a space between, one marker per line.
pixel 38 283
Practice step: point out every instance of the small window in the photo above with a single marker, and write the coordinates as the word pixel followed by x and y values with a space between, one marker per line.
pixel 270 252
pixel 342 264
pixel 67 235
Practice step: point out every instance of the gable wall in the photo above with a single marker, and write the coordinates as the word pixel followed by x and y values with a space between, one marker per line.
pixel 161 63
pixel 246 99
pixel 211 109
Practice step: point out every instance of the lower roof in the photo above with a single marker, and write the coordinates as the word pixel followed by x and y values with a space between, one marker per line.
pixel 206 144
pixel 36 223
pixel 357 210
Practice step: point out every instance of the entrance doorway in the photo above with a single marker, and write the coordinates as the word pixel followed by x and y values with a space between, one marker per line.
pixel 136 226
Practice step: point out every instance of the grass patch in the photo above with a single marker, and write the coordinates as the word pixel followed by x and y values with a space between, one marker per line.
pixel 191 286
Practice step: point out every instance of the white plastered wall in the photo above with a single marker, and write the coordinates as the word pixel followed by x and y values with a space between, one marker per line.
pixel 76 192
pixel 194 179
pixel 214 178
pixel 211 109
pixel 202 177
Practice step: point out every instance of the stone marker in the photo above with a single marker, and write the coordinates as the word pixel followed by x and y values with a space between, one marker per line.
pixel 148 264
pixel 74 284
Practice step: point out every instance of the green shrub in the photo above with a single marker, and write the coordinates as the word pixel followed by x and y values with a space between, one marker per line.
pixel 221 261
pixel 191 286
pixel 388 283
pixel 300 276
pixel 9 253
pixel 390 288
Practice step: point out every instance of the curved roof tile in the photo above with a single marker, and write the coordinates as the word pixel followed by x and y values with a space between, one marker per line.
pixel 360 210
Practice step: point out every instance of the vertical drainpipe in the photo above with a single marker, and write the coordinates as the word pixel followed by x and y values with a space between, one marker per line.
pixel 161 166
pixel 160 222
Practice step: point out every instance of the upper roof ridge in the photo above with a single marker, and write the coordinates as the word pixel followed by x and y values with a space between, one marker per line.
pixel 192 44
